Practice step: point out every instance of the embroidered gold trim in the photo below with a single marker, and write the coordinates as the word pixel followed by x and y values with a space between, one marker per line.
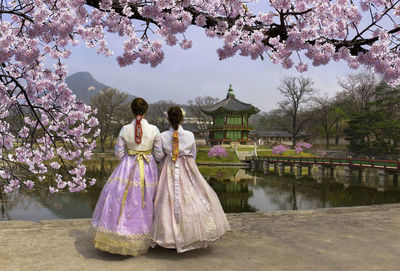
pixel 114 242
pixel 131 183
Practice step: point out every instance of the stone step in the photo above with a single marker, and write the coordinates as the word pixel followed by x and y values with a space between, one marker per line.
pixel 242 154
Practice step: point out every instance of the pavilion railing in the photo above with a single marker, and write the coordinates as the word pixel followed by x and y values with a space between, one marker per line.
pixel 353 162
pixel 230 127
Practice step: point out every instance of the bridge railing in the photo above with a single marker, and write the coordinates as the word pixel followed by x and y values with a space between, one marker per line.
pixel 354 162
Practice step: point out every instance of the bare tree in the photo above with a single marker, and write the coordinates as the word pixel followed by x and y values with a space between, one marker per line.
pixel 359 89
pixel 203 121
pixel 297 92
pixel 113 112
pixel 328 113
pixel 157 114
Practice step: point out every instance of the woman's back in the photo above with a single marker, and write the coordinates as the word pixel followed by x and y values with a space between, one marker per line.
pixel 149 134
pixel 188 214
pixel 187 144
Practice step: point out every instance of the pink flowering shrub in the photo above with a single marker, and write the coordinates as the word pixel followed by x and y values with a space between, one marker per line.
pixel 279 149
pixel 305 145
pixel 217 151
pixel 300 146
pixel 298 149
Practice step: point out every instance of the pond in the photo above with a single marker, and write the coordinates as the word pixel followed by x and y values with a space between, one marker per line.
pixel 239 190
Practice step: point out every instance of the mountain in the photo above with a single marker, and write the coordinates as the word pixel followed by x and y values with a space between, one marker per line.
pixel 83 85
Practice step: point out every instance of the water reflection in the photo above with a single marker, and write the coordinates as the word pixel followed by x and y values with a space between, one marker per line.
pixel 239 190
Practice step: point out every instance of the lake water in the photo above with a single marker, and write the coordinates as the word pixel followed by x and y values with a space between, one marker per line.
pixel 239 190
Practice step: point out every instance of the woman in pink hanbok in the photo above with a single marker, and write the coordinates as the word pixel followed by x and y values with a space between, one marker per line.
pixel 187 212
pixel 123 215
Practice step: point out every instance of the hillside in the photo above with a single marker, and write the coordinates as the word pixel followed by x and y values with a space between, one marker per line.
pixel 84 85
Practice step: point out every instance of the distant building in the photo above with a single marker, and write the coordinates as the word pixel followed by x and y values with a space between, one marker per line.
pixel 271 138
pixel 230 120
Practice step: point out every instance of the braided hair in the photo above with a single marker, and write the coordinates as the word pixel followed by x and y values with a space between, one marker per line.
pixel 175 116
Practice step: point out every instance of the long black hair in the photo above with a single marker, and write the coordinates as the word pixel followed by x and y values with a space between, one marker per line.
pixel 175 116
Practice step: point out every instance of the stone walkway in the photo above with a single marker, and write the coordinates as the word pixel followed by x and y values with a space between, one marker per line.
pixel 357 238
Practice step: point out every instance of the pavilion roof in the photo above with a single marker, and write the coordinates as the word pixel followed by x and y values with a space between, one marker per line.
pixel 230 104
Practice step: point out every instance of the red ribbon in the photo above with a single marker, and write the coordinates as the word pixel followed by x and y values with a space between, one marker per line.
pixel 138 130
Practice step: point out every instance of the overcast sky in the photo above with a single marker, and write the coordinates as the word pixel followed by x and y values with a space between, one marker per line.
pixel 184 75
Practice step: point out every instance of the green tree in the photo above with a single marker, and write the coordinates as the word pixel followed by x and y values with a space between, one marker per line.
pixel 376 129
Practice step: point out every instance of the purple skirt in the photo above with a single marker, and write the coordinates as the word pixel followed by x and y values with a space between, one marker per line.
pixel 122 217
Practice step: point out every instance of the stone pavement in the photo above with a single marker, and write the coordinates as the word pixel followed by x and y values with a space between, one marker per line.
pixel 356 238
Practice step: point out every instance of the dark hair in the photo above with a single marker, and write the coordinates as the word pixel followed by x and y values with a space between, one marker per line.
pixel 175 116
pixel 139 106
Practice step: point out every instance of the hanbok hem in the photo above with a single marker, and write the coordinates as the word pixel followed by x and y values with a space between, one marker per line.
pixel 186 247
pixel 116 243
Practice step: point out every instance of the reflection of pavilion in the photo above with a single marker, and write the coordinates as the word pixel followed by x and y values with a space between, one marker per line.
pixel 232 188
pixel 234 196
pixel 241 175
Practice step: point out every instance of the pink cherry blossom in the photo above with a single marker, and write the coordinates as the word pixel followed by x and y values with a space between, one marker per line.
pixel 34 35
pixel 29 184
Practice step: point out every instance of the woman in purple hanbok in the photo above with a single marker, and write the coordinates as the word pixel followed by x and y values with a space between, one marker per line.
pixel 187 212
pixel 124 212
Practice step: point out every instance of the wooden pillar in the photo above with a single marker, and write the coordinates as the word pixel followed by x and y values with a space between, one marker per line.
pixel 253 165
pixel 266 167
pixel 291 168
pixel 395 179
pixel 321 170
pixel 347 172
pixel 298 170
pixel 281 168
pixel 382 177
pixel 333 172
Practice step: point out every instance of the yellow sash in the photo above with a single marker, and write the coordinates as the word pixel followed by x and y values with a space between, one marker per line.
pixel 140 157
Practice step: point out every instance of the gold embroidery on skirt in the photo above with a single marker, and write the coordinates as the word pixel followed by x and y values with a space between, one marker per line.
pixel 130 183
pixel 113 242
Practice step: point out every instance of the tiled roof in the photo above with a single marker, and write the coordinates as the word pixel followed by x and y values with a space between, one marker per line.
pixel 191 127
pixel 230 103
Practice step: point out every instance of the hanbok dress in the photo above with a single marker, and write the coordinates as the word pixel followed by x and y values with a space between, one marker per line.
pixel 187 211
pixel 123 215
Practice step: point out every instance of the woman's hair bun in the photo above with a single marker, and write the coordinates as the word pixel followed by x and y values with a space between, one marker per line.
pixel 139 106
pixel 175 116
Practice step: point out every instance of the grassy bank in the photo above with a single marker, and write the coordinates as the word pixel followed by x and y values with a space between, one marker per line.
pixel 202 156
pixel 286 153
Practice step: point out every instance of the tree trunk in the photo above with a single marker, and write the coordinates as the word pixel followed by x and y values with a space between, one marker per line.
pixel 327 140
pixel 112 141
pixel 102 143
pixel 337 133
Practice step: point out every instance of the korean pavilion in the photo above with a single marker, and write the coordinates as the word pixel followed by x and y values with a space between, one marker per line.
pixel 230 120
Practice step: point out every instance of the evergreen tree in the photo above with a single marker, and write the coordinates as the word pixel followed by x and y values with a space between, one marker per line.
pixel 377 129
